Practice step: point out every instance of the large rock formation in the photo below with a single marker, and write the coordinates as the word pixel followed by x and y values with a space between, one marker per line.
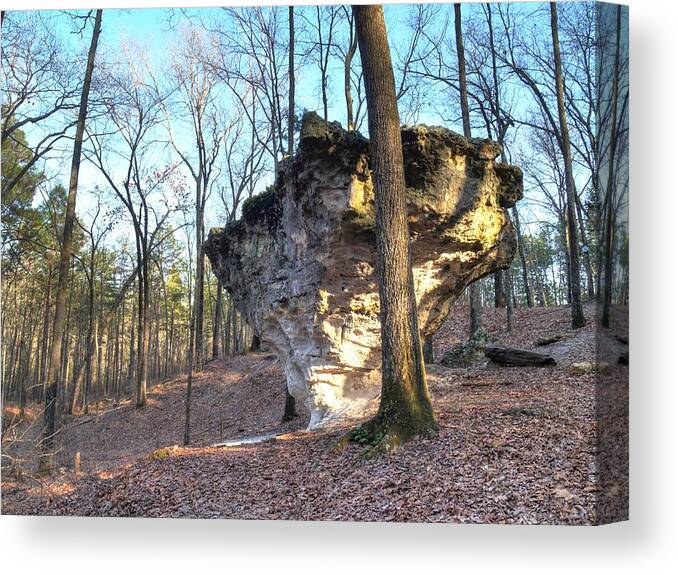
pixel 299 263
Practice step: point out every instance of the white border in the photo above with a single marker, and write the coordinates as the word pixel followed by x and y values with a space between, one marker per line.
pixel 645 544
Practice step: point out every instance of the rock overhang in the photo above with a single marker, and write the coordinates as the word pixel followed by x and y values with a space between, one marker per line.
pixel 299 263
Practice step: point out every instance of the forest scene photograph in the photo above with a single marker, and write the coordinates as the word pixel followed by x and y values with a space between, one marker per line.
pixel 317 262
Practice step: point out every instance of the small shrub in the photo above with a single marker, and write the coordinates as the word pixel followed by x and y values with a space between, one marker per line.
pixel 160 454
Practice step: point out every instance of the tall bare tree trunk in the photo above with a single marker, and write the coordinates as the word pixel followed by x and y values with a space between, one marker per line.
pixel 45 335
pixel 199 331
pixel 290 107
pixel 508 284
pixel 499 289
pixel 348 59
pixel 405 408
pixel 586 254
pixel 142 362
pixel 474 288
pixel 66 249
pixel 577 312
pixel 523 259
pixel 189 379
pixel 216 332
pixel 609 214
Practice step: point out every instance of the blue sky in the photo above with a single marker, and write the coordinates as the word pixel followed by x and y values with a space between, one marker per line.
pixel 151 29
pixel 156 32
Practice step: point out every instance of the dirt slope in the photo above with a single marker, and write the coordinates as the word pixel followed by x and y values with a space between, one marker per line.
pixel 515 445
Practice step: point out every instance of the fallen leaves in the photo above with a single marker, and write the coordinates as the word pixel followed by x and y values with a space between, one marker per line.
pixel 514 445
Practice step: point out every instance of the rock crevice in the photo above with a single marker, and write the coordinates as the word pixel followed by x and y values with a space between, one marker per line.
pixel 299 263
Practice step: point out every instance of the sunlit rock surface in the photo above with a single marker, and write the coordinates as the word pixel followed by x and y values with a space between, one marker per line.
pixel 299 263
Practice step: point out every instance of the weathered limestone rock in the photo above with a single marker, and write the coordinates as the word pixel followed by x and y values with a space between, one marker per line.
pixel 299 263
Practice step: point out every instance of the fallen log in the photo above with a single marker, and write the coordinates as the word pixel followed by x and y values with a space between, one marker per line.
pixel 511 356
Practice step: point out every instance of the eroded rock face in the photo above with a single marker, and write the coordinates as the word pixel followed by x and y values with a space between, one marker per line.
pixel 299 263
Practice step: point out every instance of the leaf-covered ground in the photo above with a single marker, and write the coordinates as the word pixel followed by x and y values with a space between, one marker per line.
pixel 515 445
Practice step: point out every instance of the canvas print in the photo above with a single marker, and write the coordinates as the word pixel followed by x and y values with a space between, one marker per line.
pixel 333 262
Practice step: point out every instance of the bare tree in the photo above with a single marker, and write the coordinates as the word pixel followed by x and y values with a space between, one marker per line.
pixel 611 183
pixel 474 288
pixel 291 72
pixel 40 89
pixel 405 408
pixel 577 311
pixel 418 46
pixel 321 21
pixel 95 233
pixel 354 96
pixel 149 194
pixel 197 86
pixel 53 375
pixel 251 61
pixel 347 57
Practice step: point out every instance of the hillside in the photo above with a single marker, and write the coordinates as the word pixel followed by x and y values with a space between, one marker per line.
pixel 514 445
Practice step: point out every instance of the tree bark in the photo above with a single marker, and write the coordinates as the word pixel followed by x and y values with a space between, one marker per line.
pixel 577 312
pixel 216 332
pixel 474 288
pixel 529 297
pixel 461 60
pixel 66 249
pixel 509 300
pixel 290 108
pixel 189 379
pixel 609 215
pixel 199 332
pixel 353 46
pixel 499 290
pixel 405 408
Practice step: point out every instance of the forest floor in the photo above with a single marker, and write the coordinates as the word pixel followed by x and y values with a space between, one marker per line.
pixel 514 445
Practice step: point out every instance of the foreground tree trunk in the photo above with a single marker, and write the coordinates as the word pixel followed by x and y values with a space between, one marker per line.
pixel 66 249
pixel 405 409
pixel 577 312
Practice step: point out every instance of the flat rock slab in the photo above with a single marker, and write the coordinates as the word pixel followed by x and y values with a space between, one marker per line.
pixel 514 357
